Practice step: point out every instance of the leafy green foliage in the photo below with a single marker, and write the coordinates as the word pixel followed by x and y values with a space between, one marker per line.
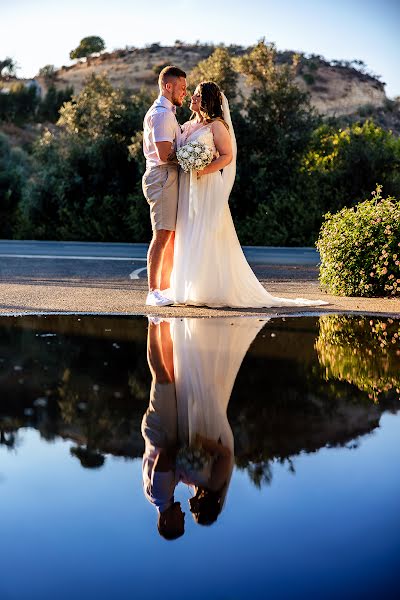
pixel 344 165
pixel 23 104
pixel 360 249
pixel 218 67
pixel 363 352
pixel 309 78
pixel 8 68
pixel 20 104
pixel 49 107
pixel 14 170
pixel 87 181
pixel 291 168
pixel 88 46
pixel 48 72
pixel 159 67
pixel 274 129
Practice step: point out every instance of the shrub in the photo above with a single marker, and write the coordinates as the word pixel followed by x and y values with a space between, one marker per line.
pixel 159 67
pixel 218 67
pixel 273 130
pixel 20 104
pixel 86 179
pixel 50 106
pixel 14 171
pixel 360 248
pixel 286 218
pixel 344 165
pixel 309 78
pixel 48 72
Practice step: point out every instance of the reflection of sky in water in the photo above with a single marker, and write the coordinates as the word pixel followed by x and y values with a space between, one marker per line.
pixel 331 526
pixel 330 529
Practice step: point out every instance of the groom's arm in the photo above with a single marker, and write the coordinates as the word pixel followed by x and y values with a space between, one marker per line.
pixel 165 151
pixel 164 136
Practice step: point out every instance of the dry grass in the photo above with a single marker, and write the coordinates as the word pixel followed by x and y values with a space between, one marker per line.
pixel 335 91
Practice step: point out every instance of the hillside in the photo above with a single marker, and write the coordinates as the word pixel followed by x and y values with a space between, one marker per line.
pixel 335 88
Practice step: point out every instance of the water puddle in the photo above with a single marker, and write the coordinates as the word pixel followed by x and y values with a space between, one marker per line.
pixel 267 449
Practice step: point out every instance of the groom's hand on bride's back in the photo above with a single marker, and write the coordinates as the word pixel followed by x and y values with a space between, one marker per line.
pixel 165 151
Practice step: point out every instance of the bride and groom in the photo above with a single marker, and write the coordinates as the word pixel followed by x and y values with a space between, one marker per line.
pixel 195 257
pixel 187 414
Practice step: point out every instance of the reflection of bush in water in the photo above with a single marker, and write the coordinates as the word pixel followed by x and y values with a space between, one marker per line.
pixel 364 352
pixel 89 459
pixel 138 388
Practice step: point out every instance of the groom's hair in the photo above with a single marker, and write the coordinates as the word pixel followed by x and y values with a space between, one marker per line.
pixel 168 73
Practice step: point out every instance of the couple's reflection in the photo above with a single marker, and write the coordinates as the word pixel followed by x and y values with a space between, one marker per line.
pixel 194 363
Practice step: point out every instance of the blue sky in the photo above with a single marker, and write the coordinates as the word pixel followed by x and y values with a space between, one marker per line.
pixel 39 32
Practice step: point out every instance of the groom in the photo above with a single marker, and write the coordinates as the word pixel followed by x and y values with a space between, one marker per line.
pixel 160 182
pixel 160 433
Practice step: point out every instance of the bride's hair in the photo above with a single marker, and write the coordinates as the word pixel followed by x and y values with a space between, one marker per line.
pixel 211 102
pixel 206 505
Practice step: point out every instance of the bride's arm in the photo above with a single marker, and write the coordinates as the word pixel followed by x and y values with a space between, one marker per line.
pixel 222 141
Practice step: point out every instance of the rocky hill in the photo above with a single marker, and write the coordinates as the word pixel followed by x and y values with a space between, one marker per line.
pixel 336 88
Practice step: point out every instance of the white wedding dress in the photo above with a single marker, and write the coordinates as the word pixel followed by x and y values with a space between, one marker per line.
pixel 210 268
pixel 208 354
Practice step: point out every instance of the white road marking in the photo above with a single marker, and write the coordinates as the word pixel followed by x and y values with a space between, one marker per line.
pixel 131 259
pixel 135 274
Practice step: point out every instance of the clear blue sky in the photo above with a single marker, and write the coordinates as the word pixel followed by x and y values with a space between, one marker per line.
pixel 39 32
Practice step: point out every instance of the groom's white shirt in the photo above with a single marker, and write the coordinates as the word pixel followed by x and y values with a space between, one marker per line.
pixel 159 125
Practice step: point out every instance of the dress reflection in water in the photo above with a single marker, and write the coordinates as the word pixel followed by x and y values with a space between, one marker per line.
pixel 189 408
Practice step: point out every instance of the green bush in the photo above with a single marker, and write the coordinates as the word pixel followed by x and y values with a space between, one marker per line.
pixel 286 218
pixel 19 105
pixel 14 171
pixel 309 78
pixel 360 248
pixel 87 181
pixel 273 129
pixel 343 166
pixel 49 107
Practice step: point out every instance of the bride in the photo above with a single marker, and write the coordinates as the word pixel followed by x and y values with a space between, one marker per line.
pixel 210 268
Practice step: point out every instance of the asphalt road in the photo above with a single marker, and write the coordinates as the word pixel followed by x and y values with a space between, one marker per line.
pixel 104 251
pixel 102 278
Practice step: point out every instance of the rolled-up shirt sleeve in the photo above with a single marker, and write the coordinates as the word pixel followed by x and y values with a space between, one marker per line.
pixel 164 127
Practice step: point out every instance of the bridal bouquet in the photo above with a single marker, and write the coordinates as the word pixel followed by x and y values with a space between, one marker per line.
pixel 192 458
pixel 194 156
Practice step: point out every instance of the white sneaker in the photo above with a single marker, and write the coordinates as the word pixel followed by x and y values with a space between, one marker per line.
pixel 155 298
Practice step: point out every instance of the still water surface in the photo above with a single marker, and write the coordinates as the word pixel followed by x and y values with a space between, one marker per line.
pixel 298 480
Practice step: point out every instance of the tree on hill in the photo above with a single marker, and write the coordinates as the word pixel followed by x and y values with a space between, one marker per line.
pixel 87 47
pixel 218 67
pixel 48 72
pixel 8 68
pixel 274 133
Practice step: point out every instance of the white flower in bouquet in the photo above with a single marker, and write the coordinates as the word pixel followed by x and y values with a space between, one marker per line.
pixel 192 458
pixel 194 156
